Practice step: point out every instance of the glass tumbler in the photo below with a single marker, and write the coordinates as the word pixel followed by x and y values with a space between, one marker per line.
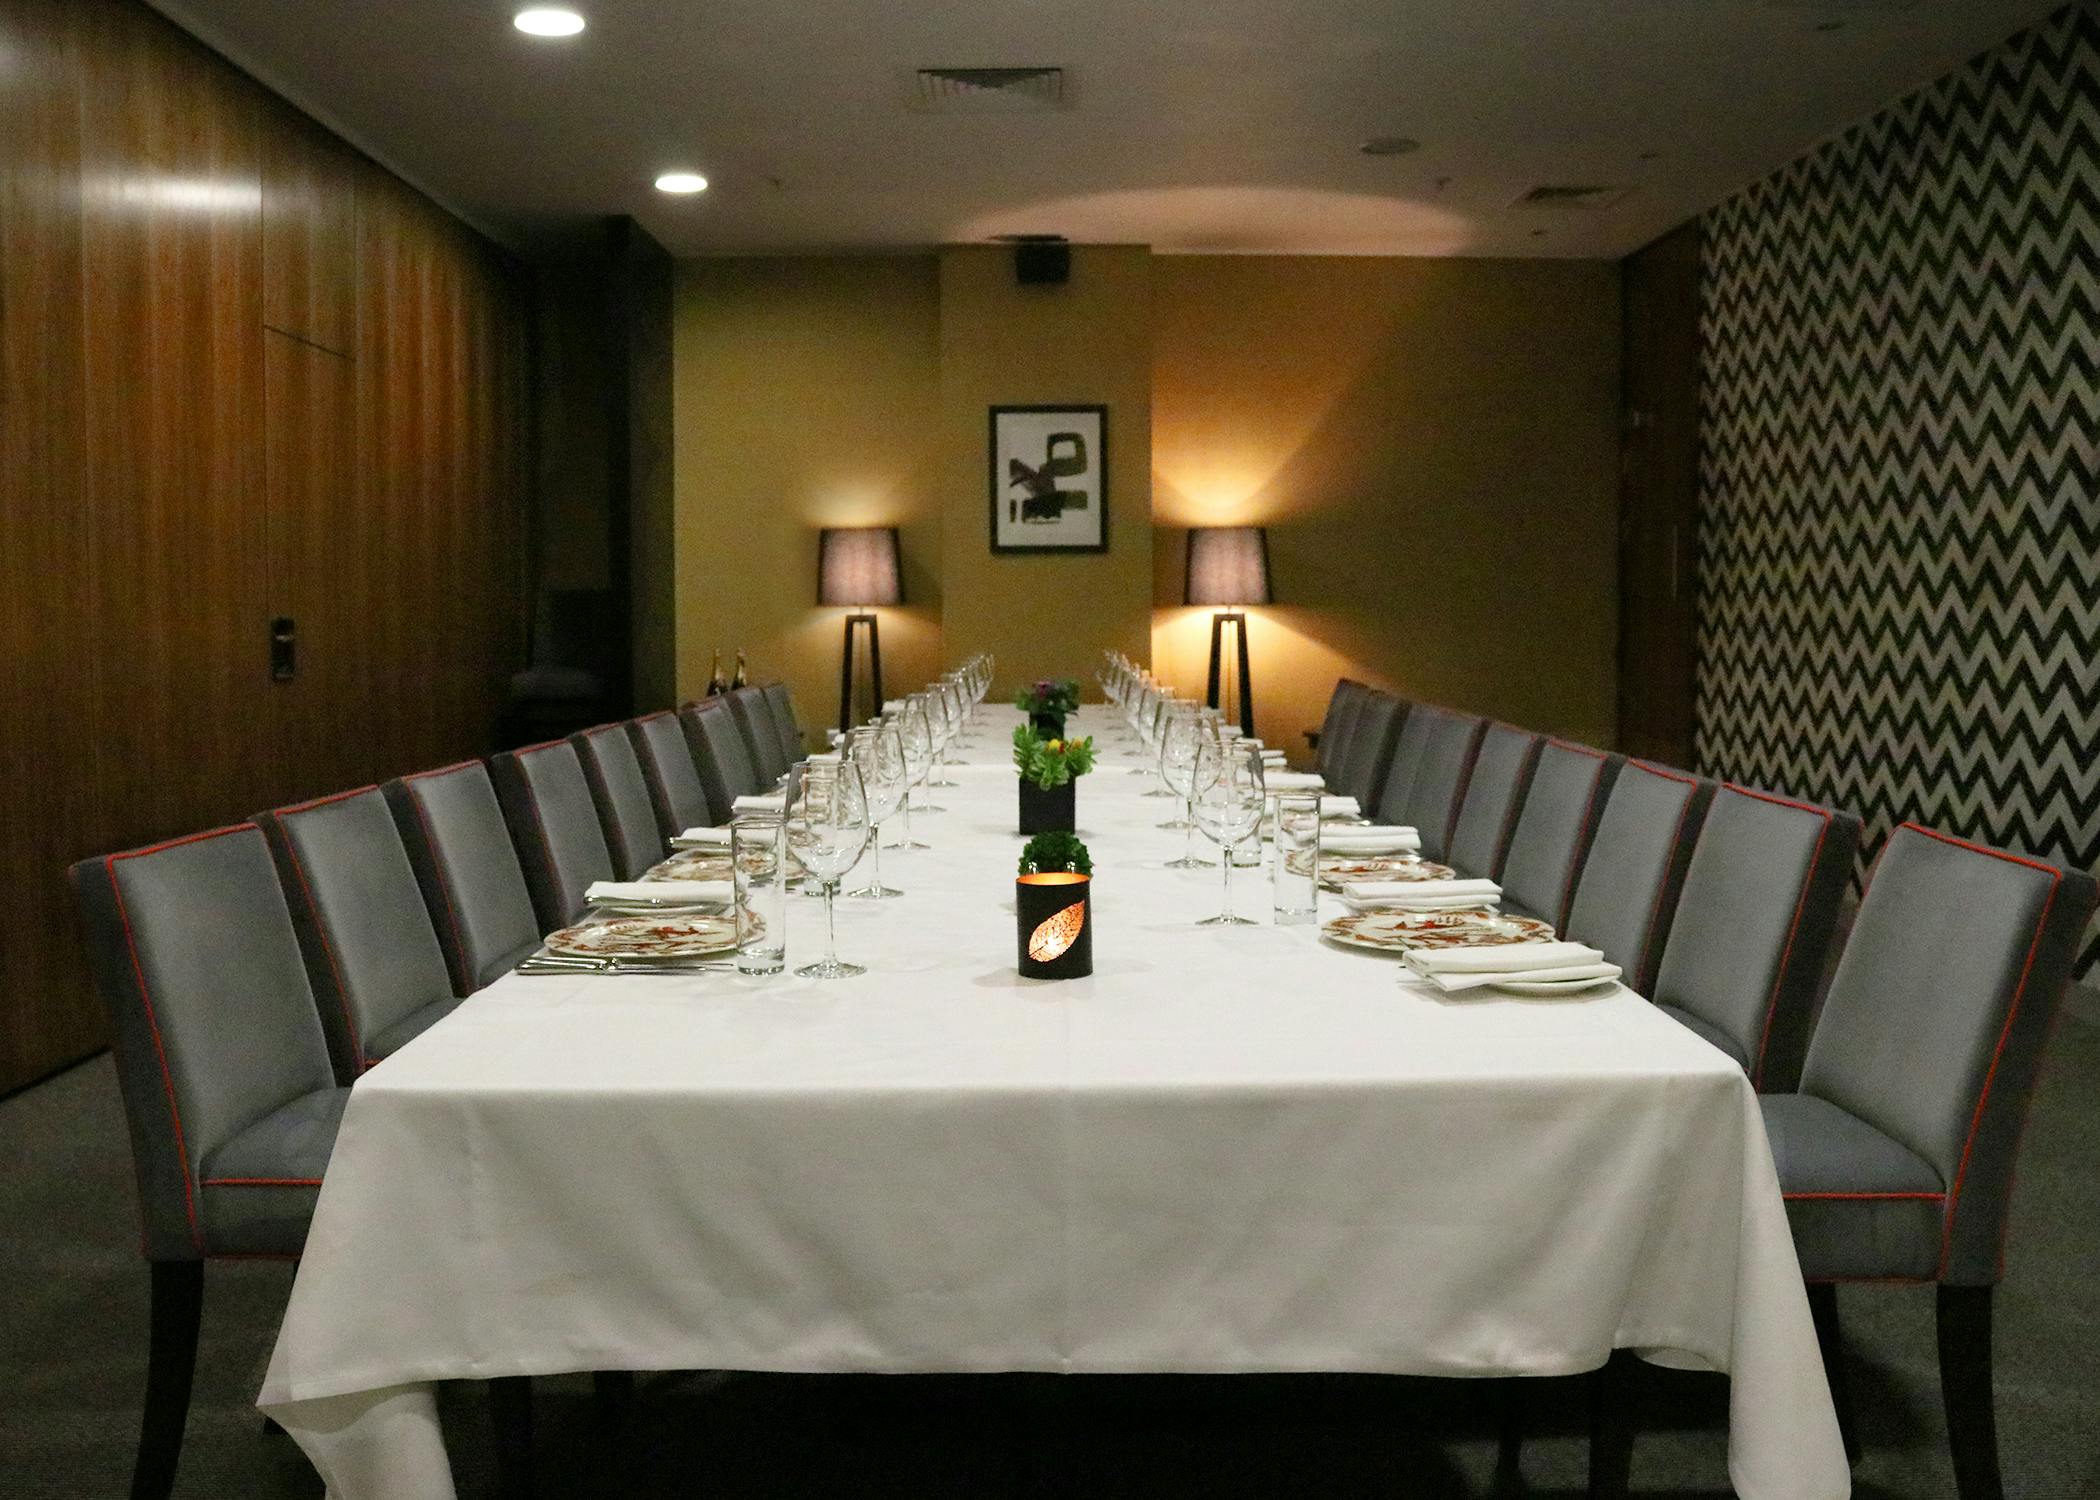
pixel 1297 878
pixel 758 860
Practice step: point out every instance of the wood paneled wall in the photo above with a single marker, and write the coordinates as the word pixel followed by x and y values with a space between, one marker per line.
pixel 244 373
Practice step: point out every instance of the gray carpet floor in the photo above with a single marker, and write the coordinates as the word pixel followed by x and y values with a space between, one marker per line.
pixel 72 1352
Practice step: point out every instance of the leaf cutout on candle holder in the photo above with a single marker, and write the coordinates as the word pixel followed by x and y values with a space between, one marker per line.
pixel 1054 934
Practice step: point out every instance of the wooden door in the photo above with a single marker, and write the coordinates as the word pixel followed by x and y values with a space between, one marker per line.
pixel 1659 499
pixel 47 619
pixel 171 198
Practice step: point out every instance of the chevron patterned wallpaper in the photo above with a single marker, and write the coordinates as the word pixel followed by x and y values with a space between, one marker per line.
pixel 1900 551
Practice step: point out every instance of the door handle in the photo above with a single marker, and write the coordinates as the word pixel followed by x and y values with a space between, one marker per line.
pixel 284 649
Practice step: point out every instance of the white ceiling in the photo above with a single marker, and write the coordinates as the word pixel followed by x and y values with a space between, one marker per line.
pixel 1196 125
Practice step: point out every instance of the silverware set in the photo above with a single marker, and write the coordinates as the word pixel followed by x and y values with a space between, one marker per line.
pixel 564 963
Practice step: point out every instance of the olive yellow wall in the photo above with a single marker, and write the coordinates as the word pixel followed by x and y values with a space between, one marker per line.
pixel 1431 443
pixel 807 394
pixel 1433 447
pixel 1002 344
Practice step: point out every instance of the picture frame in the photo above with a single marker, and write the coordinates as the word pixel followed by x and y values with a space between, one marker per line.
pixel 1048 479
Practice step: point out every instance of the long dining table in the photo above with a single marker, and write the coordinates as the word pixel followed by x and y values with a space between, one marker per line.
pixel 1228 1150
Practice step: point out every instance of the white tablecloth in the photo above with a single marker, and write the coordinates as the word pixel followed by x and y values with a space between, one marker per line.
pixel 1237 1150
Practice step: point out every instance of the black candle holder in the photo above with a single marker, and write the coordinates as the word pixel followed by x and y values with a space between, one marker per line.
pixel 1054 925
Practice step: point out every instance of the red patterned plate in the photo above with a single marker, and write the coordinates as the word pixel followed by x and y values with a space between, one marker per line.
pixel 1398 931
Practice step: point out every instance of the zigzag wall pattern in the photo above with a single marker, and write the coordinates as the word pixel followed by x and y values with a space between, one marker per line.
pixel 1900 543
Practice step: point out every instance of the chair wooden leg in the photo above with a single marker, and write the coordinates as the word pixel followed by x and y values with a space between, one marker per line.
pixel 612 1397
pixel 510 1405
pixel 171 1362
pixel 1965 1388
pixel 1611 1429
pixel 1830 1338
pixel 1509 1436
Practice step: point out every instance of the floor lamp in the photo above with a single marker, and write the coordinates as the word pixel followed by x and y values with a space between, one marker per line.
pixel 1229 565
pixel 857 566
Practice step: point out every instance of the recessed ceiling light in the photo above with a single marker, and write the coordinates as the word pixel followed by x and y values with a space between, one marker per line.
pixel 681 182
pixel 1389 145
pixel 548 20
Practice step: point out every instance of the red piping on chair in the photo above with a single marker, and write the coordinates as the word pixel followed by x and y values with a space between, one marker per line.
pixel 437 863
pixel 1676 843
pixel 2012 1014
pixel 1567 889
pixel 1786 954
pixel 167 1081
pixel 342 990
pixel 262 1182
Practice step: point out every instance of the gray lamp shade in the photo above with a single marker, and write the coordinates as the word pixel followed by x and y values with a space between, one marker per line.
pixel 1228 565
pixel 858 565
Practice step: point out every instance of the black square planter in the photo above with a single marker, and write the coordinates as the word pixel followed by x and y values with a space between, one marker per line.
pixel 1049 726
pixel 1047 812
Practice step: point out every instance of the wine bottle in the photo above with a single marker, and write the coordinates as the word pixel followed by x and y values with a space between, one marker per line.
pixel 715 685
pixel 742 678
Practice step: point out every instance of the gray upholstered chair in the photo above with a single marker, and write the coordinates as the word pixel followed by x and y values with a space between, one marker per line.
pixel 1896 1157
pixel 754 721
pixel 626 816
pixel 785 722
pixel 554 827
pixel 229 1093
pixel 1374 729
pixel 472 883
pixel 1487 819
pixel 1437 789
pixel 372 957
pixel 1626 895
pixel 1331 741
pixel 675 789
pixel 1568 788
pixel 1403 760
pixel 721 754
pixel 1754 923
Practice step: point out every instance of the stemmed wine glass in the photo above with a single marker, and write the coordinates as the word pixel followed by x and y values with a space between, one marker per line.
pixel 1186 733
pixel 1229 800
pixel 916 738
pixel 946 719
pixel 879 753
pixel 923 704
pixel 827 819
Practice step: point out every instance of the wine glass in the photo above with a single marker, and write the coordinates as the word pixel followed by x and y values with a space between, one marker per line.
pixel 1228 804
pixel 921 703
pixel 827 817
pixel 1158 719
pixel 879 753
pixel 941 713
pixel 916 736
pixel 1186 733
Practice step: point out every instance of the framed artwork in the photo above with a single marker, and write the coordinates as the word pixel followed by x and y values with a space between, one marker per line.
pixel 1049 478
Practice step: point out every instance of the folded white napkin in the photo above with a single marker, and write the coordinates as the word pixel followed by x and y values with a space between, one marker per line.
pixel 1340 807
pixel 1420 895
pixel 661 892
pixel 1293 781
pixel 704 838
pixel 1383 838
pixel 1454 969
pixel 763 802
pixel 1502 958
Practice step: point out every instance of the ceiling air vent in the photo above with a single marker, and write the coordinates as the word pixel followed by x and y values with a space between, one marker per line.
pixel 1572 195
pixel 989 90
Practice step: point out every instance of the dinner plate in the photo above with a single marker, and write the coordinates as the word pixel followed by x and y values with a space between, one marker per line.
pixel 695 864
pixel 1400 931
pixel 695 935
pixel 1338 869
